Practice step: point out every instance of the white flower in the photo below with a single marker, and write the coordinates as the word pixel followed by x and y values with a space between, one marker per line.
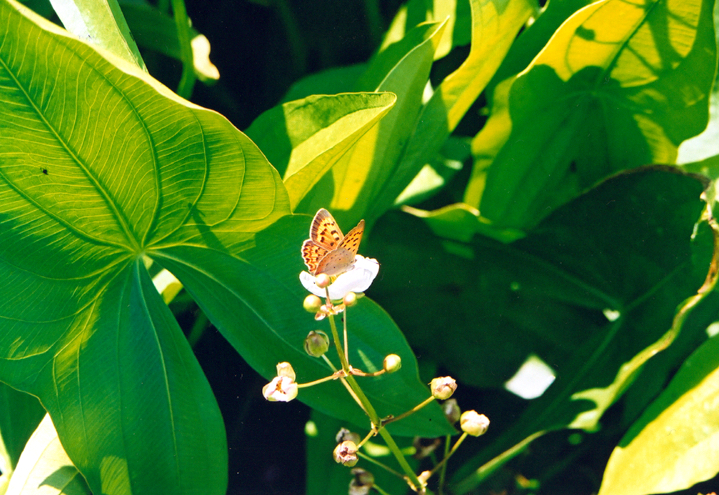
pixel 357 278
pixel 280 389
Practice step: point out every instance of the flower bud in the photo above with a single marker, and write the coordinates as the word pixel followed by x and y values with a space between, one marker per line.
pixel 312 303
pixel 362 482
pixel 451 410
pixel 317 343
pixel 424 476
pixel 443 387
pixel 473 423
pixel 280 389
pixel 345 435
pixel 346 453
pixel 286 370
pixel 350 299
pixel 392 363
pixel 323 280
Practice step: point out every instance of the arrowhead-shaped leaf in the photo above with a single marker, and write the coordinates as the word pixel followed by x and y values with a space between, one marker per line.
pixel 99 168
pixel 601 97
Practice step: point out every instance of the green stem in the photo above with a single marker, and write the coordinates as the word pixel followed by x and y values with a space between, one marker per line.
pixel 443 472
pixel 187 81
pixel 417 485
pixel 369 410
pixel 407 413
pixel 446 458
pixel 374 461
pixel 333 376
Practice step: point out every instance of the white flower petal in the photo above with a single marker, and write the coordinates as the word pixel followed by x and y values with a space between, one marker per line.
pixel 280 389
pixel 357 279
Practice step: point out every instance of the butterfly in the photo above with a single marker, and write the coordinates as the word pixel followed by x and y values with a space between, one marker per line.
pixel 327 250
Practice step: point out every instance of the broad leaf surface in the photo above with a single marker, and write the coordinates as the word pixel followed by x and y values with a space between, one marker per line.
pixel 45 468
pixel 303 139
pixel 98 165
pixel 362 173
pixel 101 168
pixel 602 96
pixel 621 247
pixel 673 445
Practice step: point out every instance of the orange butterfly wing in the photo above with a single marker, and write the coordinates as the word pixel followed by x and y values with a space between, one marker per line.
pixel 312 254
pixel 338 260
pixel 324 231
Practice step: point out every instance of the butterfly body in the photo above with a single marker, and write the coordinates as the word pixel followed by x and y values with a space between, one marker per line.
pixel 328 250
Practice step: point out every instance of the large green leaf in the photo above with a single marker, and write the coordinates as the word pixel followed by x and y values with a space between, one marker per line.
pixel 602 96
pixel 98 165
pixel 303 139
pixel 592 291
pixel 674 444
pixel 362 173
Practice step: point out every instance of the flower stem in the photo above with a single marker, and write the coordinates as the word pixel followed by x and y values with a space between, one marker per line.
pixel 454 449
pixel 369 410
pixel 344 322
pixel 333 376
pixel 364 440
pixel 416 485
pixel 379 464
pixel 443 472
pixel 407 413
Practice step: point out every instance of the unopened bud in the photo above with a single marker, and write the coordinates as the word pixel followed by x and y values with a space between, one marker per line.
pixel 345 435
pixel 350 299
pixel 362 482
pixel 392 363
pixel 451 410
pixel 443 387
pixel 346 453
pixel 473 423
pixel 317 343
pixel 323 280
pixel 285 369
pixel 312 303
pixel 424 476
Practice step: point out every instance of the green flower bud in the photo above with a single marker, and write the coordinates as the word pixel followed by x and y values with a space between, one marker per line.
pixel 362 482
pixel 316 343
pixel 392 363
pixel 443 387
pixel 344 435
pixel 350 299
pixel 451 410
pixel 323 280
pixel 473 423
pixel 312 303
pixel 346 453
